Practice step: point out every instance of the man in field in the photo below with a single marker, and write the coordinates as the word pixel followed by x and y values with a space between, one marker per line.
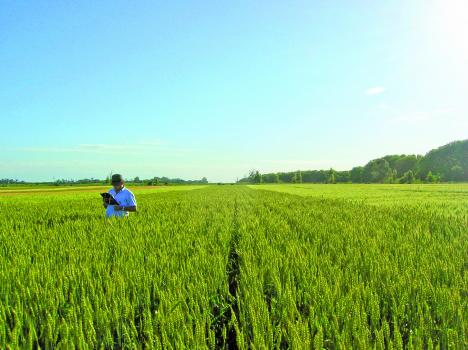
pixel 124 197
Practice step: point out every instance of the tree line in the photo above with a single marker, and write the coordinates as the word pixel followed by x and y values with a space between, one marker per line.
pixel 448 163
pixel 10 181
pixel 166 181
pixel 155 181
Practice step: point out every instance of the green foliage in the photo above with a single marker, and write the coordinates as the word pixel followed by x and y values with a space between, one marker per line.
pixel 334 267
pixel 153 182
pixel 297 177
pixel 331 176
pixel 430 178
pixel 449 162
pixel 258 178
pixel 255 177
pixel 377 171
pixel 407 178
pixel 405 163
pixel 270 178
pixel 356 174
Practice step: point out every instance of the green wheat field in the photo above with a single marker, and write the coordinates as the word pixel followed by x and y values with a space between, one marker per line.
pixel 236 267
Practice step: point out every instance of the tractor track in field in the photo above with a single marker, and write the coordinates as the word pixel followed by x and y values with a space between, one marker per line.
pixel 233 273
pixel 231 309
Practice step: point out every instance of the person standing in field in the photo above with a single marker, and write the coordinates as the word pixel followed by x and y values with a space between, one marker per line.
pixel 123 196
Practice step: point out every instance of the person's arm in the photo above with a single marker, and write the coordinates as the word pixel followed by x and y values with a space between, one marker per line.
pixel 130 206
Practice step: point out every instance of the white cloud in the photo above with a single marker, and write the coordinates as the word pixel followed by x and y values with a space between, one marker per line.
pixel 376 90
pixel 141 148
pixel 96 148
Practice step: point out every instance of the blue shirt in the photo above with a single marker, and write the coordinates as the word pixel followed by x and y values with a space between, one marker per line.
pixel 125 198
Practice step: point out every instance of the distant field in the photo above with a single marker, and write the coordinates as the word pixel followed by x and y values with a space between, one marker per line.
pixel 455 195
pixel 248 267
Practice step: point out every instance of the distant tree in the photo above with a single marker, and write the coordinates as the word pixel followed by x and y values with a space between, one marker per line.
pixel 297 177
pixel 252 175
pixel 430 178
pixel 258 177
pixel 405 163
pixel 377 170
pixel 277 179
pixel 136 180
pixel 107 181
pixel 269 178
pixel 204 180
pixel 331 176
pixel 343 176
pixel 408 177
pixel 314 176
pixel 449 161
pixel 10 181
pixel 391 177
pixel 455 173
pixel 286 177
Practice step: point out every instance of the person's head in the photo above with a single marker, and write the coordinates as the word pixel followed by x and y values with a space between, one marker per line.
pixel 117 182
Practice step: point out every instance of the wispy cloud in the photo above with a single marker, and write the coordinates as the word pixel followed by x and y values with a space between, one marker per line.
pixel 376 90
pixel 97 148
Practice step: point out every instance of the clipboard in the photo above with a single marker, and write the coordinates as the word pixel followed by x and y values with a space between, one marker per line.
pixel 108 199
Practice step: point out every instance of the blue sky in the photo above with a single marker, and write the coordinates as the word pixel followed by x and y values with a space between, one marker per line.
pixel 206 88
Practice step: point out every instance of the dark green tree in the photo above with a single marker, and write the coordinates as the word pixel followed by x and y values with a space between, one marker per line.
pixel 331 176
pixel 294 178
pixel 258 177
pixel 377 171
pixel 430 178
pixel 408 177
pixel 298 177
pixel 405 163
pixel 449 161
pixel 356 174
pixel 456 173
